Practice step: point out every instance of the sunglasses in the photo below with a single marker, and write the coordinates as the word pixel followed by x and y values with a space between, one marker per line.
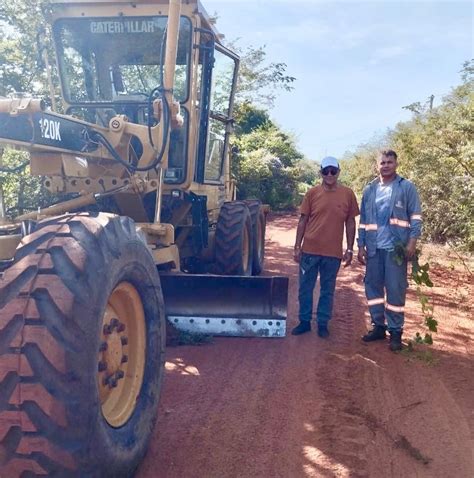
pixel 329 170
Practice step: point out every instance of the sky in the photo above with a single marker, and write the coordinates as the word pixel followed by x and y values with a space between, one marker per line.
pixel 356 63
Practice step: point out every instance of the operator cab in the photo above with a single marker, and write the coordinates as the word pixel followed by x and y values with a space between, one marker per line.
pixel 110 66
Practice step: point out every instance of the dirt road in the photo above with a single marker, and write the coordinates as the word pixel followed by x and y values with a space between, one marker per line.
pixel 308 407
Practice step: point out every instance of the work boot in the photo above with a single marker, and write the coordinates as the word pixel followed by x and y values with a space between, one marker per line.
pixel 395 340
pixel 323 331
pixel 377 333
pixel 303 327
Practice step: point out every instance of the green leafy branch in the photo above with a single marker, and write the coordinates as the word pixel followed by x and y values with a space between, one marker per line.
pixel 421 277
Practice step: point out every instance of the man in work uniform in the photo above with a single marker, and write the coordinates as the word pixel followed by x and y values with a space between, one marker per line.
pixel 326 208
pixel 390 216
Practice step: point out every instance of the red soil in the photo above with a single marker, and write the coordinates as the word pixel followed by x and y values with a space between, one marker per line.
pixel 308 407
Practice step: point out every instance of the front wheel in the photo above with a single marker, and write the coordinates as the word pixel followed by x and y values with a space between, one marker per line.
pixel 84 354
pixel 257 216
pixel 234 248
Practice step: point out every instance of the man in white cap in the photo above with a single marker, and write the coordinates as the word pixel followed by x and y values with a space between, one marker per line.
pixel 325 210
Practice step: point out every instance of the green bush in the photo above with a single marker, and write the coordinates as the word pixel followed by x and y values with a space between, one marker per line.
pixel 268 165
pixel 22 192
pixel 436 152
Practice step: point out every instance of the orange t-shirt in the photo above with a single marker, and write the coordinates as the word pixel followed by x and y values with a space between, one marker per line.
pixel 328 211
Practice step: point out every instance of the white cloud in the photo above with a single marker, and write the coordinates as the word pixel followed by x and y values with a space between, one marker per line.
pixel 387 53
pixel 313 33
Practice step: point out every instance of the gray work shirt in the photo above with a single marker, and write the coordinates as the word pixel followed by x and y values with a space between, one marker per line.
pixel 383 196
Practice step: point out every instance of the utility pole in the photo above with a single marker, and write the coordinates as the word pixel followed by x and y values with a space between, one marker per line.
pixel 431 102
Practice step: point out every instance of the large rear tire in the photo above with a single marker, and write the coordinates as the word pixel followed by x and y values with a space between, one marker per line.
pixel 81 350
pixel 258 234
pixel 234 251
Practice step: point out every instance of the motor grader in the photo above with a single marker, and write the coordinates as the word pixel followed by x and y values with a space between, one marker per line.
pixel 147 228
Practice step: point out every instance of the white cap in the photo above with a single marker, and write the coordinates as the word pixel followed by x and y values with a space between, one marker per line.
pixel 329 161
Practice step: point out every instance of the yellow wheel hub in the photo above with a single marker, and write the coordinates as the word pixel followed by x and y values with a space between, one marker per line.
pixel 121 359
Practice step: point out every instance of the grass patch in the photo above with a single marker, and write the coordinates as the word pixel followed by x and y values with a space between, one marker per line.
pixel 419 352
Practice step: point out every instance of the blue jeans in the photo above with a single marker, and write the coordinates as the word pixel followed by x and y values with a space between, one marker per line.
pixel 328 268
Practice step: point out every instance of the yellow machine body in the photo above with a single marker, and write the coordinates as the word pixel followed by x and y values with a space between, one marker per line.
pixel 147 93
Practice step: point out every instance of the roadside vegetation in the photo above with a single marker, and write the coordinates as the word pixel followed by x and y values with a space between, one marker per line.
pixel 436 152
pixel 435 147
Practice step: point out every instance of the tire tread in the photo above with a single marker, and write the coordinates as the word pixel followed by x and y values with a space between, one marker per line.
pixel 233 219
pixel 63 331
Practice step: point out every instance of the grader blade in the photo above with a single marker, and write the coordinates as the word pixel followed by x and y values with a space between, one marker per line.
pixel 233 306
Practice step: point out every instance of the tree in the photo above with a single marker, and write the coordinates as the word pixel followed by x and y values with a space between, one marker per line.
pixel 259 81
pixel 249 118
pixel 436 152
pixel 358 167
pixel 309 173
pixel 20 26
pixel 21 191
pixel 268 166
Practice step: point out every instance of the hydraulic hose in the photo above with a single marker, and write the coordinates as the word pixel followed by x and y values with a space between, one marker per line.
pixel 99 137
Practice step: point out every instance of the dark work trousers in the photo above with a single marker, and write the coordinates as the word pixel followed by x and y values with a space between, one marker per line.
pixel 385 288
pixel 327 267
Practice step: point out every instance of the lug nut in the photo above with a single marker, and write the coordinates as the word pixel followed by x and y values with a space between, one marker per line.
pixel 103 347
pixel 124 358
pixel 105 380
pixel 107 330
pixel 124 340
pixel 114 322
pixel 120 327
pixel 113 383
pixel 120 374
pixel 102 366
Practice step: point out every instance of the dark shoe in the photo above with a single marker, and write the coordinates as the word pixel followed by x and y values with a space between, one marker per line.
pixel 377 333
pixel 323 331
pixel 395 340
pixel 303 327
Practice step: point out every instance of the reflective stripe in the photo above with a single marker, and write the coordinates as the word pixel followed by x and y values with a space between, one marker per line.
pixel 416 217
pixel 399 222
pixel 375 301
pixel 368 227
pixel 395 308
